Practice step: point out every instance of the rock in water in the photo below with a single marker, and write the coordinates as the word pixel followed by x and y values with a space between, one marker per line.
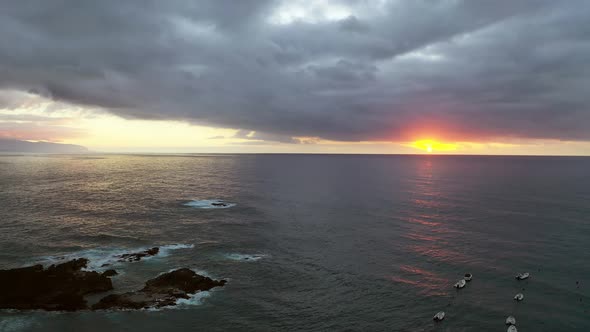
pixel 109 273
pixel 58 287
pixel 137 256
pixel 161 291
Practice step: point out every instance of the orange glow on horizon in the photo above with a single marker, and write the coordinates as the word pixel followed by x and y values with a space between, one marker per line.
pixel 430 146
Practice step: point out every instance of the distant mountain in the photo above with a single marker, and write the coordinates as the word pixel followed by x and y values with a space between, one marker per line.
pixel 11 145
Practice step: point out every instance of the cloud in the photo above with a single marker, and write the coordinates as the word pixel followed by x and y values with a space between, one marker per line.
pixel 29 116
pixel 347 70
pixel 256 136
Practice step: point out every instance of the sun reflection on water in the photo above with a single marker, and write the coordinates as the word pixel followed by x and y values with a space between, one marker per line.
pixel 428 232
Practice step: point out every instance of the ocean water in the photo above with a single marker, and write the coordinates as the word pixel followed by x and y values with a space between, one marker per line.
pixel 312 242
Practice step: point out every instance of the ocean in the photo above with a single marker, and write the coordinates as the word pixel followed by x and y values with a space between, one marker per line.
pixel 311 242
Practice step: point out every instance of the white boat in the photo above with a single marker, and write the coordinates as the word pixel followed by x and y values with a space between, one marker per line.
pixel 522 276
pixel 519 297
pixel 468 277
pixel 510 320
pixel 460 284
pixel 439 316
pixel 512 328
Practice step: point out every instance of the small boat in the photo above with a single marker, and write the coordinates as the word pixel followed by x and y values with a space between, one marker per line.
pixel 468 277
pixel 460 284
pixel 519 297
pixel 522 276
pixel 439 316
pixel 510 320
pixel 512 328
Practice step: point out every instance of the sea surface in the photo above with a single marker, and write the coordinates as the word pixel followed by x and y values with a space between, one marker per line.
pixel 311 242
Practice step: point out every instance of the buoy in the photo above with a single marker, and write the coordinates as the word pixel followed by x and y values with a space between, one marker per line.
pixel 519 297
pixel 460 284
pixel 468 277
pixel 510 320
pixel 439 316
pixel 522 276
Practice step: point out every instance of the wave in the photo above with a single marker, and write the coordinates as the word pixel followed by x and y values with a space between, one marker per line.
pixel 8 324
pixel 210 204
pixel 105 258
pixel 195 299
pixel 245 257
pixel 166 249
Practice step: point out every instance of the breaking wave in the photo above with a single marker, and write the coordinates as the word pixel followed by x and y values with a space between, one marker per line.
pixel 105 258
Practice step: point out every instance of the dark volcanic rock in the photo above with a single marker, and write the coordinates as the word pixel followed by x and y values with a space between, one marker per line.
pixel 134 257
pixel 218 204
pixel 161 291
pixel 58 287
pixel 109 273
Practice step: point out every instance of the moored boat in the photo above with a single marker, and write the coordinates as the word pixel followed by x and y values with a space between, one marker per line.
pixel 439 316
pixel 510 320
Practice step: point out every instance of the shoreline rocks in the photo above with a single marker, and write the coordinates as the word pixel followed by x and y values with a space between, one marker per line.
pixel 161 291
pixel 63 287
pixel 60 287
pixel 110 273
pixel 137 256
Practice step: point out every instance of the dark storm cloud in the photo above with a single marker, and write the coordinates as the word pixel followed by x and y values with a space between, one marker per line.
pixel 383 71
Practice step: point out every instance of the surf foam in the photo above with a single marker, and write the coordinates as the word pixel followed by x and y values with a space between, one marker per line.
pixel 245 257
pixel 105 258
pixel 9 324
pixel 208 204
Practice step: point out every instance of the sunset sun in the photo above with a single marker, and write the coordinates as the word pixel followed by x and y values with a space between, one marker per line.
pixel 256 165
pixel 430 146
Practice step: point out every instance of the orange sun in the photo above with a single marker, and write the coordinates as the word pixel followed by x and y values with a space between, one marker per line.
pixel 430 146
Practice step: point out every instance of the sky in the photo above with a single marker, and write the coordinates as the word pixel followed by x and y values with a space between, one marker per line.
pixel 324 76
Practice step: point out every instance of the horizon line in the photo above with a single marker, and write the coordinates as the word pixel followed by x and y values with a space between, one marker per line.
pixel 13 153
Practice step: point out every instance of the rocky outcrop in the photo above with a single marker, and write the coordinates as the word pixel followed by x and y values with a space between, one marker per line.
pixel 58 287
pixel 109 273
pixel 137 256
pixel 63 287
pixel 161 291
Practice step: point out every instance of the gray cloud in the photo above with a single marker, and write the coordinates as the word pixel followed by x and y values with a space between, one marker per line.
pixel 383 71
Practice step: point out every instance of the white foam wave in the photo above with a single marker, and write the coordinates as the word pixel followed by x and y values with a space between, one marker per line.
pixel 194 299
pixel 245 257
pixel 106 258
pixel 210 204
pixel 166 249
pixel 9 324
